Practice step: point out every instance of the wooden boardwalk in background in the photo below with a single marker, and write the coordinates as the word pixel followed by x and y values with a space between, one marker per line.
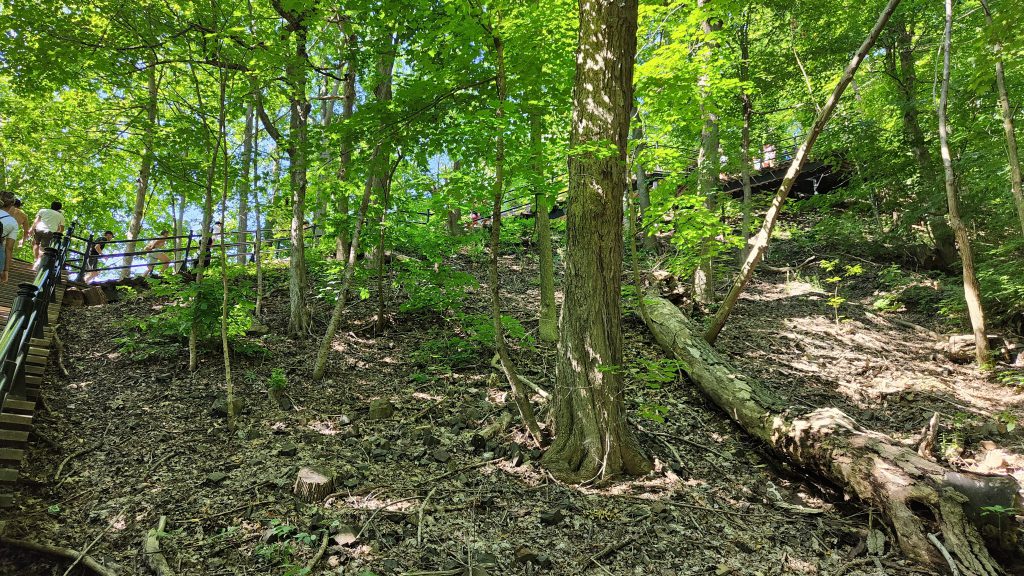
pixel 17 412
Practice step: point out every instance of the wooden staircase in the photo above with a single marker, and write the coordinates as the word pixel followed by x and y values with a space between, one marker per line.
pixel 17 411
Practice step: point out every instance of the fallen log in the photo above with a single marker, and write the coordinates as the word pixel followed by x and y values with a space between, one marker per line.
pixel 916 495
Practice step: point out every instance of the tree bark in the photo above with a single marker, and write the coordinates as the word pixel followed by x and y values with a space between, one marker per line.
pixel 244 189
pixel 594 440
pixel 1007 112
pixel 146 167
pixel 914 493
pixel 298 152
pixel 548 328
pixel 748 110
pixel 522 399
pixel 972 291
pixel 760 241
pixel 708 165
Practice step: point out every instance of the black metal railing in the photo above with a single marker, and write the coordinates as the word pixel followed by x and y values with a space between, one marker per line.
pixel 30 315
pixel 188 251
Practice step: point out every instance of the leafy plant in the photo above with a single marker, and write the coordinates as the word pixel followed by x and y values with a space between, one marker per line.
pixel 278 381
pixel 837 277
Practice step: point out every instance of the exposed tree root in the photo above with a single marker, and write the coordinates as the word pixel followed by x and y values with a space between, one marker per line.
pixel 915 494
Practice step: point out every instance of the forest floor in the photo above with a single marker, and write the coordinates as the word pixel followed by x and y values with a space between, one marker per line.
pixel 131 435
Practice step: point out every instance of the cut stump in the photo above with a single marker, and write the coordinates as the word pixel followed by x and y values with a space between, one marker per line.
pixel 312 485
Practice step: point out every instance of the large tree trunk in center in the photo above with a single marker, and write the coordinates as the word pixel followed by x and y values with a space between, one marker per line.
pixel 548 328
pixel 593 438
pixel 915 494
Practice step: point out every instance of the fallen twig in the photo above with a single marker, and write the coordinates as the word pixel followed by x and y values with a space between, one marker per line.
pixel 945 554
pixel 419 525
pixel 68 553
pixel 84 552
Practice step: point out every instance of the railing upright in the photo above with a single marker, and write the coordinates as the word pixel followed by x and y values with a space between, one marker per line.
pixel 23 303
pixel 184 261
pixel 85 257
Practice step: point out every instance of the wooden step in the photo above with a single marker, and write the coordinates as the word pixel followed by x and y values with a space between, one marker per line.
pixel 6 501
pixel 35 360
pixel 8 475
pixel 11 457
pixel 32 394
pixel 33 380
pixel 34 370
pixel 21 422
pixel 14 406
pixel 40 342
pixel 13 438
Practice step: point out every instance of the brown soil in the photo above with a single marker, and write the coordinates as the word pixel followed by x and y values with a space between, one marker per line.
pixel 418 493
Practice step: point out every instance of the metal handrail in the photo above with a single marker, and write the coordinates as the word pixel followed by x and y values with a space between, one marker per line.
pixel 29 315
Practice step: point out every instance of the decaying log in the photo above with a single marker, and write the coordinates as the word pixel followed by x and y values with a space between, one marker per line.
pixel 960 347
pixel 312 485
pixel 94 296
pixel 151 548
pixel 915 494
pixel 87 561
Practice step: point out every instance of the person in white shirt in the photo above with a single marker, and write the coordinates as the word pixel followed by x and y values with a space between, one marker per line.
pixel 48 222
pixel 8 234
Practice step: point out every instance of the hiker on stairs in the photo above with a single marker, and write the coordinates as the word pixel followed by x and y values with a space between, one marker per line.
pixel 8 234
pixel 49 221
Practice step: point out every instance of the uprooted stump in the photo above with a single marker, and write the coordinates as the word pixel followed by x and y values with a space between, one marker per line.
pixel 312 485
pixel 915 494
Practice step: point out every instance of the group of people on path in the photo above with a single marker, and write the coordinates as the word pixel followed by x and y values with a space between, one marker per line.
pixel 14 229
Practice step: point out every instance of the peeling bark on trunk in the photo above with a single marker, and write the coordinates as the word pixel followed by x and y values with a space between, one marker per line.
pixel 593 439
pixel 760 241
pixel 972 291
pixel 1007 112
pixel 915 494
pixel 146 167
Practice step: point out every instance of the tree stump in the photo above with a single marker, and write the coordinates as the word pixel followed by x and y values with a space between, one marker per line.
pixel 94 296
pixel 74 298
pixel 312 485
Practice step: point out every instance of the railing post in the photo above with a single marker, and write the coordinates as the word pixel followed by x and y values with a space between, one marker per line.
pixel 56 253
pixel 19 310
pixel 42 299
pixel 85 257
pixel 183 265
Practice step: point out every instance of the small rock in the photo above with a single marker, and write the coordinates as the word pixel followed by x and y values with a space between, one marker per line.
pixel 288 449
pixel 345 536
pixel 477 442
pixel 258 329
pixel 551 517
pixel 284 403
pixel 381 409
pixel 216 477
pixel 526 554
pixel 441 455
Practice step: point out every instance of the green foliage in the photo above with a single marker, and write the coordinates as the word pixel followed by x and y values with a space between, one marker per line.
pixel 433 288
pixel 278 381
pixel 837 276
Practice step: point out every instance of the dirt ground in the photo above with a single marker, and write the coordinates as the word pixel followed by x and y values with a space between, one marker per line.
pixel 125 440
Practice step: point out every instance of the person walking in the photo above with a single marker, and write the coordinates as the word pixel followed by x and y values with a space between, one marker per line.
pixel 156 254
pixel 8 234
pixel 22 219
pixel 48 222
pixel 92 262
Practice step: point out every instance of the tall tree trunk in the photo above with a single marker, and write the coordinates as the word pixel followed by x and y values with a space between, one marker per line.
pixel 244 188
pixel 225 345
pixel 1007 111
pixel 348 107
pixel 379 164
pixel 643 190
pixel 258 236
pixel 915 494
pixel 204 234
pixel 522 399
pixel 748 110
pixel 972 292
pixel 298 155
pixel 708 166
pixel 548 329
pixel 942 234
pixel 760 241
pixel 142 184
pixel 593 438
